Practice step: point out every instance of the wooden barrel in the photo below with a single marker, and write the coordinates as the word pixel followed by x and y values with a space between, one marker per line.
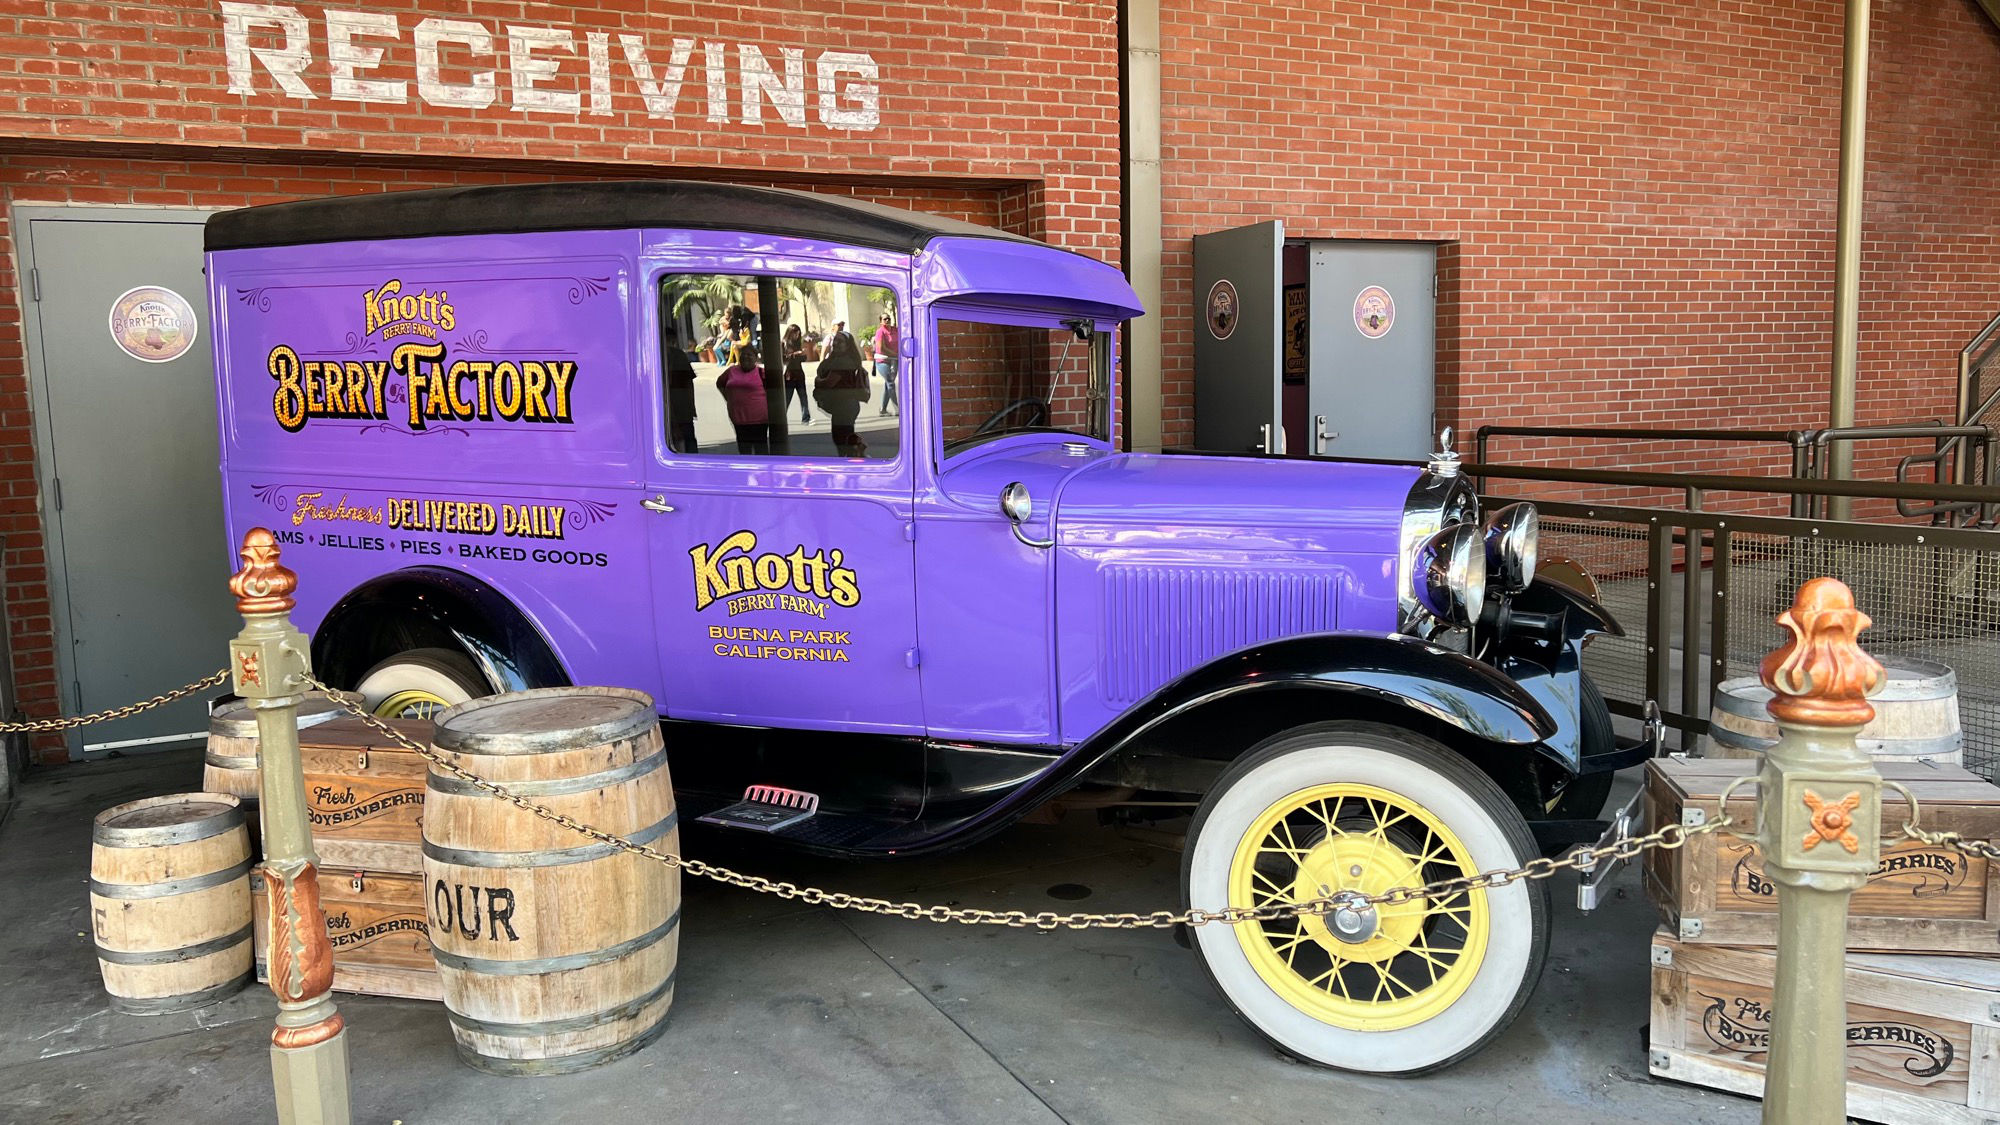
pixel 1916 716
pixel 555 953
pixel 170 901
pixel 230 765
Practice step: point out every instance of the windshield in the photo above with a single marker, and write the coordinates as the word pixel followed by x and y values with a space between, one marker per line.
pixel 1008 378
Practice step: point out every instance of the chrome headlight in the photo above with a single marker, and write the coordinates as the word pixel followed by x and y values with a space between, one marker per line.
pixel 1513 541
pixel 1450 576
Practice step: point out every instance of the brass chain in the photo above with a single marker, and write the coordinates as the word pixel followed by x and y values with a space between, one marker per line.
pixel 213 679
pixel 1668 838
pixel 1953 840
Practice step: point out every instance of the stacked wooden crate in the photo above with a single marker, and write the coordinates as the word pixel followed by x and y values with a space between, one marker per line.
pixel 1923 985
pixel 365 801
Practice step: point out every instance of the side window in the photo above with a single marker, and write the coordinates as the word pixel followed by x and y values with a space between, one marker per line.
pixel 1008 378
pixel 780 366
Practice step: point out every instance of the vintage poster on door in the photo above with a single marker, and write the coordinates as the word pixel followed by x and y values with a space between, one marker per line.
pixel 1296 333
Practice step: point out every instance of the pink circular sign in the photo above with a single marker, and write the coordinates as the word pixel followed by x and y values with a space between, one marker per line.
pixel 1374 312
pixel 153 323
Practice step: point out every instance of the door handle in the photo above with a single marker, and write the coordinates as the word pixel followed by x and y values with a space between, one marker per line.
pixel 656 504
pixel 1320 436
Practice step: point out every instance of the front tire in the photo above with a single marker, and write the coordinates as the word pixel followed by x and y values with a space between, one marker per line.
pixel 1362 806
pixel 421 682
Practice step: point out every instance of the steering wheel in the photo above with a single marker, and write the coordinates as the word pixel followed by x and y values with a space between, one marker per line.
pixel 992 422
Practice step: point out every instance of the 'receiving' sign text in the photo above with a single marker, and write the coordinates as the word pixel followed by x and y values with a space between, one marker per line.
pixel 548 69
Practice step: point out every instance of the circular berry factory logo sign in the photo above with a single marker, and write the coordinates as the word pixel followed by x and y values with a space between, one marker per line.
pixel 1223 310
pixel 1374 312
pixel 153 323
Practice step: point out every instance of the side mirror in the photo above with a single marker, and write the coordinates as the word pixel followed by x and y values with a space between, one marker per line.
pixel 1019 509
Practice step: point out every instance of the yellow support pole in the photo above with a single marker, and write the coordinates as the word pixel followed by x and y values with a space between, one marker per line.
pixel 267 659
pixel 1819 813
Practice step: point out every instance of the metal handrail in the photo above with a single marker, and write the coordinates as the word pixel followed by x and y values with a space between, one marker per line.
pixel 1965 390
pixel 1795 439
pixel 1790 486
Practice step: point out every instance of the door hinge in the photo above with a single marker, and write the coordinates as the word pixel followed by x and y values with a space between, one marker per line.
pixel 56 489
pixel 1434 287
pixel 34 284
pixel 910 532
pixel 77 687
pixel 914 658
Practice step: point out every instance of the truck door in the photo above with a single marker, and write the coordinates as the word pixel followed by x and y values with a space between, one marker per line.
pixel 783 574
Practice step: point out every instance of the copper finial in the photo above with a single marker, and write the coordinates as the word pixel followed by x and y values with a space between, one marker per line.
pixel 1820 675
pixel 262 586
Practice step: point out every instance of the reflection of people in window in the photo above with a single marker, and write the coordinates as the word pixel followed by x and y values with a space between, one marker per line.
pixel 743 327
pixel 680 397
pixel 795 372
pixel 742 386
pixel 884 347
pixel 841 388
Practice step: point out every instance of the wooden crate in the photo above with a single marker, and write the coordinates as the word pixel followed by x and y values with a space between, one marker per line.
pixel 365 794
pixel 1921 899
pixel 1922 1041
pixel 380 931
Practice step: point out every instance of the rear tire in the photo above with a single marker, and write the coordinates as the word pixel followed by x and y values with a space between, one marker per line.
pixel 1362 806
pixel 421 682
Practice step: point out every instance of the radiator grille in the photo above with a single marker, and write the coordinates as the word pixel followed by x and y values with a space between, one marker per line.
pixel 1162 621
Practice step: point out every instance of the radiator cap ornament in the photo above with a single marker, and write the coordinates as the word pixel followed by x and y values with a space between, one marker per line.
pixel 1445 461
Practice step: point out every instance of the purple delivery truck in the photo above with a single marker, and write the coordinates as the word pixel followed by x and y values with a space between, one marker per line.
pixel 642 434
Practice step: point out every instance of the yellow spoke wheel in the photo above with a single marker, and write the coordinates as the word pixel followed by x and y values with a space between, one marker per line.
pixel 414 703
pixel 1409 961
pixel 420 683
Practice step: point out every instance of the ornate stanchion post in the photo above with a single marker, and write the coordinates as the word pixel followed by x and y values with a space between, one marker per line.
pixel 1819 811
pixel 309 1047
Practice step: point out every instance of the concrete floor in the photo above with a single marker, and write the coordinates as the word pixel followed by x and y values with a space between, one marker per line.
pixel 789 1013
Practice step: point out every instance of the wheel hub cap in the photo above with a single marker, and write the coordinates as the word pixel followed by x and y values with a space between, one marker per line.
pixel 1357 930
pixel 1354 920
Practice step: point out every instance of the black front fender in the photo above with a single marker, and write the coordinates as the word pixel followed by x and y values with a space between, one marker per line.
pixel 1401 671
pixel 1447 686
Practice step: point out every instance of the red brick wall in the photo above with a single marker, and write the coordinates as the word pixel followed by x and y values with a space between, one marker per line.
pixel 1640 195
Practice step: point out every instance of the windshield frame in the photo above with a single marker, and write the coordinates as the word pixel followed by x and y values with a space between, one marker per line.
pixel 1099 355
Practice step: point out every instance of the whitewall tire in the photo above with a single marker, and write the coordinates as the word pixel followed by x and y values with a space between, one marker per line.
pixel 1367 807
pixel 421 682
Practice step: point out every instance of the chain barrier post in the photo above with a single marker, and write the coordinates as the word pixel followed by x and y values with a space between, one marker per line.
pixel 269 663
pixel 1819 812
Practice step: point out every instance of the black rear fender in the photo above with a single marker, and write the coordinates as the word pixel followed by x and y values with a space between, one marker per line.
pixel 433 607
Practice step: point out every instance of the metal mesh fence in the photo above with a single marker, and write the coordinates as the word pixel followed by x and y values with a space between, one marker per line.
pixel 1933 604
pixel 1614 554
pixel 1928 603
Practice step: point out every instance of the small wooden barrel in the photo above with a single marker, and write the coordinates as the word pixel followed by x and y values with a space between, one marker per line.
pixel 230 765
pixel 170 901
pixel 1916 716
pixel 555 952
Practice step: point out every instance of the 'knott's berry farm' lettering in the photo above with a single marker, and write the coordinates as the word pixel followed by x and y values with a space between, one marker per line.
pixel 392 312
pixel 731 567
pixel 433 388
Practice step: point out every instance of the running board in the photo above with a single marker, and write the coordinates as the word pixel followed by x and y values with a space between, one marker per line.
pixel 766 808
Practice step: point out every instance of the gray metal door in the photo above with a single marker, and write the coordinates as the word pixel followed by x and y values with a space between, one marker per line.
pixel 1373 375
pixel 124 397
pixel 1238 286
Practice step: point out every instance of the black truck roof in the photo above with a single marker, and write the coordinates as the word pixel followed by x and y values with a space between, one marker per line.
pixel 587 205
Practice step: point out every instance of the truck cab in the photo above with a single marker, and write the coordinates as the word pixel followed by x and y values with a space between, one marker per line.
pixel 840 486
